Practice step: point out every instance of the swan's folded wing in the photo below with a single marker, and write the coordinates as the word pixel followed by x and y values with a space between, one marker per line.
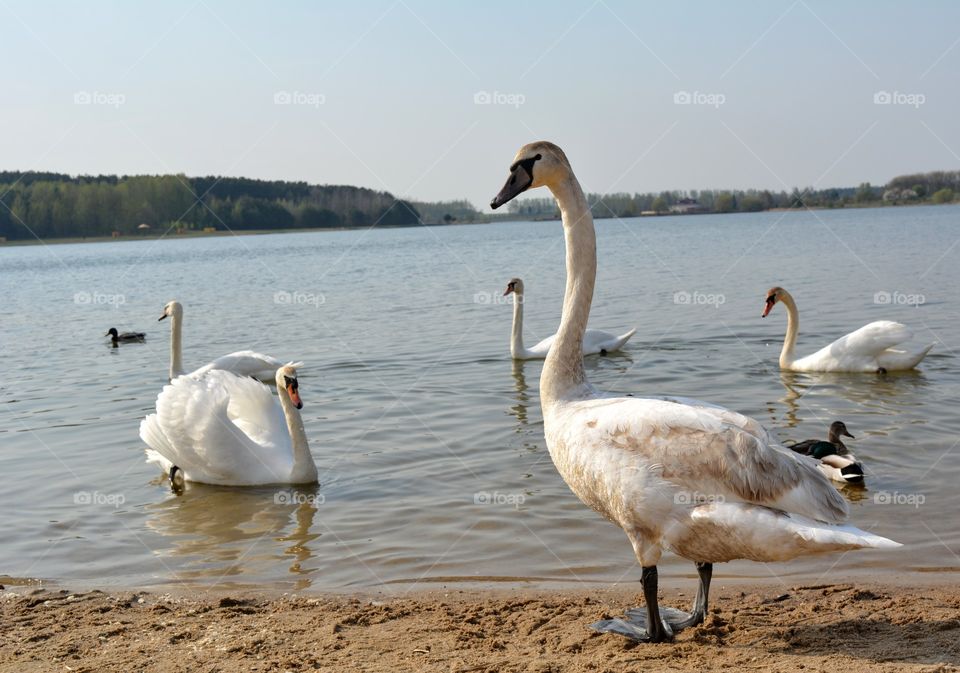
pixel 870 340
pixel 223 425
pixel 713 451
pixel 243 363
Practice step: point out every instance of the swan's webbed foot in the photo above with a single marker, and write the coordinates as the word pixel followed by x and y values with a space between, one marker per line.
pixel 666 622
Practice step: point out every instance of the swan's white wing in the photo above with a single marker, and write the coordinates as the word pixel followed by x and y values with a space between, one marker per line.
pixel 595 341
pixel 243 363
pixel 542 348
pixel 221 428
pixel 705 449
pixel 872 339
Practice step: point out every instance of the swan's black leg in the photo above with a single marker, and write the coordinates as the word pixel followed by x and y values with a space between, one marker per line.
pixel 657 630
pixel 699 613
pixel 176 479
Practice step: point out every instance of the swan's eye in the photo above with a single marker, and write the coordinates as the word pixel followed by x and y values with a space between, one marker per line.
pixel 771 299
pixel 291 383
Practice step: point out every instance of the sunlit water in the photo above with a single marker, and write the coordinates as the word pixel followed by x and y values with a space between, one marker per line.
pixel 428 438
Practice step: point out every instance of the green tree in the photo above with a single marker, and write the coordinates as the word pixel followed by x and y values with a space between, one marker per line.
pixel 944 195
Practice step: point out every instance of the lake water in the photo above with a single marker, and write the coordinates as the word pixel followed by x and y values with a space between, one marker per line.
pixel 428 438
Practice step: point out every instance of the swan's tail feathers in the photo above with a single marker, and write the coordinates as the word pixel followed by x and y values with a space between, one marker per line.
pixel 620 341
pixel 719 532
pixel 844 537
pixel 153 436
pixel 894 360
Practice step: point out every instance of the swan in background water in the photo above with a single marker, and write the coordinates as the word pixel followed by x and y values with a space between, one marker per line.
pixel 225 429
pixel 124 337
pixel 869 349
pixel 836 461
pixel 594 341
pixel 242 363
pixel 678 475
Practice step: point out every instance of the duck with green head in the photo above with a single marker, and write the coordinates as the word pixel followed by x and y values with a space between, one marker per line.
pixel 836 461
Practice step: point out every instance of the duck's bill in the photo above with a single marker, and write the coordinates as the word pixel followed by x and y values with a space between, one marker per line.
pixel 518 182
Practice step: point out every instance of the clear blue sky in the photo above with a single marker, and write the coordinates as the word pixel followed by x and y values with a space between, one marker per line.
pixel 382 93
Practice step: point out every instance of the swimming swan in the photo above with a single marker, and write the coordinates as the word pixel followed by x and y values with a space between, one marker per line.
pixel 225 429
pixel 869 349
pixel 676 474
pixel 594 340
pixel 242 363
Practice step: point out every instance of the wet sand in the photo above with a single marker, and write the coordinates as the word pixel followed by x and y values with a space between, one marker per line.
pixel 825 627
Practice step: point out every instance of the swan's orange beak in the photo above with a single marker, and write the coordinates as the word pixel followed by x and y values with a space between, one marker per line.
pixel 771 300
pixel 294 395
pixel 508 290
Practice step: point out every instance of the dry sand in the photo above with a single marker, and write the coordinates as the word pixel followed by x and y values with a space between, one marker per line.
pixel 848 628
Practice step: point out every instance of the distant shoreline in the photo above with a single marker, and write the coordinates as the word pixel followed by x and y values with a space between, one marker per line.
pixel 493 220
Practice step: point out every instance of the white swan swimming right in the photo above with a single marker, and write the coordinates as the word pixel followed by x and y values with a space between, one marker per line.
pixel 225 429
pixel 869 349
pixel 242 363
pixel 679 475
pixel 594 340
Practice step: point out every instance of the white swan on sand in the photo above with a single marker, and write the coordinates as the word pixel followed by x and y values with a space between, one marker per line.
pixel 225 429
pixel 242 363
pixel 594 340
pixel 675 474
pixel 872 348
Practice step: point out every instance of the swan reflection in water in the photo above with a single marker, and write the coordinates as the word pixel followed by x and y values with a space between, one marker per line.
pixel 219 531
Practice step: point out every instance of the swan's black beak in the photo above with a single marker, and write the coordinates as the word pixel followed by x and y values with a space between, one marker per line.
pixel 161 317
pixel 519 181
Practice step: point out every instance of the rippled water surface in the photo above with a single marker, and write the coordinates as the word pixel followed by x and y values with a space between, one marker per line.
pixel 428 438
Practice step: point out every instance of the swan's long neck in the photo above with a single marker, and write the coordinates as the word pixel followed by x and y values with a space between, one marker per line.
pixel 304 470
pixel 793 326
pixel 516 336
pixel 563 375
pixel 176 346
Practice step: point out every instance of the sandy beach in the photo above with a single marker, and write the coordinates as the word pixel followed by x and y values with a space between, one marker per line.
pixel 822 627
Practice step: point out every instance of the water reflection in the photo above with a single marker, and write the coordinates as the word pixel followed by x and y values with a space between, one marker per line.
pixel 523 398
pixel 218 531
pixel 821 395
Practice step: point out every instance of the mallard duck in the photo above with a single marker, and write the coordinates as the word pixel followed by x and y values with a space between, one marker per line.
pixel 124 337
pixel 836 461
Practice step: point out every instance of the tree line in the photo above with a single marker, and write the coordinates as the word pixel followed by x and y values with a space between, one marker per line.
pixel 934 187
pixel 53 205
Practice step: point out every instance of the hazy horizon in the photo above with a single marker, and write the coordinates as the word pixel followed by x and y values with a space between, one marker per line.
pixel 430 101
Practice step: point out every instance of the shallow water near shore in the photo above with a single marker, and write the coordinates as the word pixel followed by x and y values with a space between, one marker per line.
pixel 428 438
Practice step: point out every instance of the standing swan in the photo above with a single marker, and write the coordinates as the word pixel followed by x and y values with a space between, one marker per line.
pixel 225 429
pixel 706 483
pixel 242 363
pixel 869 349
pixel 594 341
